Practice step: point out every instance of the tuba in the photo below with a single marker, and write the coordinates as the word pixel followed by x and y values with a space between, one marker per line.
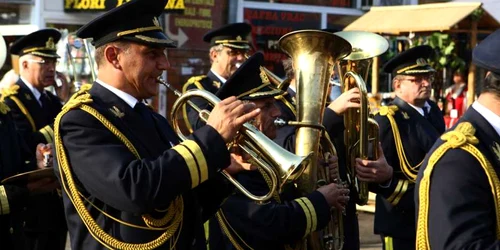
pixel 360 128
pixel 314 54
pixel 280 165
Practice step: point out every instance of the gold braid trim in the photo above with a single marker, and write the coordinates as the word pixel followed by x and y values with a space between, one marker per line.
pixel 173 216
pixel 409 171
pixel 463 138
pixel 11 93
pixel 196 81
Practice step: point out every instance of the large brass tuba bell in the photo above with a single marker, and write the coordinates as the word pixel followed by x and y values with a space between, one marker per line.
pixel 360 128
pixel 280 165
pixel 314 54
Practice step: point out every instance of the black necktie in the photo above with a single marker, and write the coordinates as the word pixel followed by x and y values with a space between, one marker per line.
pixel 145 113
pixel 426 113
pixel 44 99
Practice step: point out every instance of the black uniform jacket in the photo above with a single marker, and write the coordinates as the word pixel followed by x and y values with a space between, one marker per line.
pixel 14 159
pixel 114 180
pixel 395 208
pixel 210 83
pixel 42 116
pixel 461 205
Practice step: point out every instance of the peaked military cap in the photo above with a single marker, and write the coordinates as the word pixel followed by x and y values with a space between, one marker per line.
pixel 249 82
pixel 135 21
pixel 486 54
pixel 411 61
pixel 232 35
pixel 40 43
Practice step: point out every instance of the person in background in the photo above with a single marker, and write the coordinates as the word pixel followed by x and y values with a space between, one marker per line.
pixel 455 99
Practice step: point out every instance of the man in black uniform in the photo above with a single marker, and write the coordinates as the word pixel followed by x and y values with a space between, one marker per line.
pixel 128 181
pixel 284 220
pixel 228 49
pixel 15 158
pixel 33 108
pixel 457 190
pixel 409 126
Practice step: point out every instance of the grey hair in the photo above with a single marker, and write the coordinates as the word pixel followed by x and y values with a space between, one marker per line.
pixel 217 49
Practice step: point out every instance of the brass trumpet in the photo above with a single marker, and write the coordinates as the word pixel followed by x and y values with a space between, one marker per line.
pixel 280 165
pixel 360 128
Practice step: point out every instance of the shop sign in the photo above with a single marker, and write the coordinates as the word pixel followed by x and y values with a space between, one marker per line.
pixel 199 17
pixel 268 26
pixel 105 5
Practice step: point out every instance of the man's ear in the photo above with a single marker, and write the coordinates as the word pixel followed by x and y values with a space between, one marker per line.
pixel 396 84
pixel 111 55
pixel 24 64
pixel 213 55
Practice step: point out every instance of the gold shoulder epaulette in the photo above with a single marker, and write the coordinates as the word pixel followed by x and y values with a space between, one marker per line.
pixel 387 110
pixel 10 91
pixel 4 108
pixel 461 135
pixel 196 80
pixel 79 98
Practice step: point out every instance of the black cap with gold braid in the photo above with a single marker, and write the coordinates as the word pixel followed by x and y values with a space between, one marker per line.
pixel 232 35
pixel 249 82
pixel 410 62
pixel 40 43
pixel 135 21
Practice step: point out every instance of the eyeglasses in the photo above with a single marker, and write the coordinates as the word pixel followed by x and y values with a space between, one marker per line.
pixel 42 61
pixel 235 52
pixel 419 79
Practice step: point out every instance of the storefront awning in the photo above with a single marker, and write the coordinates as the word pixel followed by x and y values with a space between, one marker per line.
pixel 423 18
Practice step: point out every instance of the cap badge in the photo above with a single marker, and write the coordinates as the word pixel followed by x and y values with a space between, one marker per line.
pixel 263 77
pixel 238 38
pixel 50 43
pixel 422 62
pixel 156 22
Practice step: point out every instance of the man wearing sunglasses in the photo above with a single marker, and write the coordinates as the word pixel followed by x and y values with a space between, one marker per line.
pixel 228 49
pixel 409 126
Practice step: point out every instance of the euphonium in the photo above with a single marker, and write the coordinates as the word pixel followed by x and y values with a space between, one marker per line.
pixel 314 53
pixel 360 128
pixel 280 165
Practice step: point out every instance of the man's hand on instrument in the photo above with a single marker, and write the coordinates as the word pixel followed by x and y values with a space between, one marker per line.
pixel 44 155
pixel 229 115
pixel 377 171
pixel 336 195
pixel 349 99
pixel 239 162
pixel 333 164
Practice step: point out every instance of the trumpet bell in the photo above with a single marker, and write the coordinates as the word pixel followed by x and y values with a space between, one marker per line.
pixel 364 44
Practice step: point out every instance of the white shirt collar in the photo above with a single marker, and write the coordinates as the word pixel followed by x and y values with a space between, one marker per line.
pixel 33 90
pixel 222 79
pixel 492 118
pixel 421 110
pixel 130 100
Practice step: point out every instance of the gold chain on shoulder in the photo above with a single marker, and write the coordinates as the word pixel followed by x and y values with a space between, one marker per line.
pixel 409 171
pixel 463 138
pixel 171 222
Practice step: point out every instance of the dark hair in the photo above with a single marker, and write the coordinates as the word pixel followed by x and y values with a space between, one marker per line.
pixel 288 67
pixel 491 84
pixel 99 51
